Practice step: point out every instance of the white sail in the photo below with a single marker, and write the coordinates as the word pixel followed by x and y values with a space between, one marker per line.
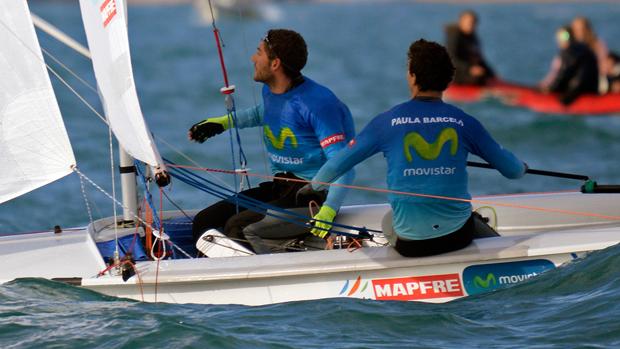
pixel 106 31
pixel 34 146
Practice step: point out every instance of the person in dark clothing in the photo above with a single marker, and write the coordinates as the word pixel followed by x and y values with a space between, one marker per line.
pixel 464 48
pixel 578 72
pixel 612 72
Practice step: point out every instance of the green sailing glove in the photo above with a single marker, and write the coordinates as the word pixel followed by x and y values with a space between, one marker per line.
pixel 321 229
pixel 208 128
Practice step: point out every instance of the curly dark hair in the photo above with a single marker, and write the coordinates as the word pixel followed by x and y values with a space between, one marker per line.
pixel 290 47
pixel 431 64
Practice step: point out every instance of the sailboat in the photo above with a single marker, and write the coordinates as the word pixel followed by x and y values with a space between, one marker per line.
pixel 556 228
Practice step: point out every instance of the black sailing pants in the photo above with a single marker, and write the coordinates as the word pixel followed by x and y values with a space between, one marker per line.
pixel 279 192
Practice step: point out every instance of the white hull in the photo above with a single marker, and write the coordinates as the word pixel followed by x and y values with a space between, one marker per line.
pixel 532 242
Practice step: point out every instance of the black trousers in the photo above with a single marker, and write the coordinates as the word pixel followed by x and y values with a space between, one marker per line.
pixel 447 243
pixel 279 192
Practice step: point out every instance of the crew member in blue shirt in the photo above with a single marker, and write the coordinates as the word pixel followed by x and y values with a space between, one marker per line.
pixel 304 124
pixel 425 142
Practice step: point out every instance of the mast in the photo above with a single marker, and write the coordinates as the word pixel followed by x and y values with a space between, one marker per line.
pixel 127 171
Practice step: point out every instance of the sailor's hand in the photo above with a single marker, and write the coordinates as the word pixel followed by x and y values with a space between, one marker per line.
pixel 208 128
pixel 322 221
pixel 162 178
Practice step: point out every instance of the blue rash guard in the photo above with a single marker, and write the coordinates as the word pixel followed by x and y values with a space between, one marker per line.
pixel 426 143
pixel 303 128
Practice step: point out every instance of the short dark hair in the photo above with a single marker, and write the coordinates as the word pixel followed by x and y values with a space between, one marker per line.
pixel 290 47
pixel 431 64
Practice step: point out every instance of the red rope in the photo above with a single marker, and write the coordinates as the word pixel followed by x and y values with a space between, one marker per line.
pixel 133 266
pixel 430 196
pixel 139 281
pixel 161 208
pixel 156 278
pixel 216 32
pixel 354 245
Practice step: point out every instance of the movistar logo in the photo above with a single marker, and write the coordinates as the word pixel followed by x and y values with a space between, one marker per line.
pixel 430 151
pixel 285 133
pixel 489 281
pixel 487 277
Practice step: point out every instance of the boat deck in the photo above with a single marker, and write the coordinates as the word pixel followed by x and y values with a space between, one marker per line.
pixel 70 254
pixel 372 258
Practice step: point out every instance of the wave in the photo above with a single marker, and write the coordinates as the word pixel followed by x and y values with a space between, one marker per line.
pixel 575 305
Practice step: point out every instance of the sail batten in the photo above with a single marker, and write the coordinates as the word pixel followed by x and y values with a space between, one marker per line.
pixel 106 32
pixel 34 146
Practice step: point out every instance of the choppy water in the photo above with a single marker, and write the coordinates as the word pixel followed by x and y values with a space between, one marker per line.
pixel 358 50
pixel 572 307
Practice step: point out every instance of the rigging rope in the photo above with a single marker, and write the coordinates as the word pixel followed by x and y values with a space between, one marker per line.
pixel 90 213
pixel 228 91
pixel 98 114
pixel 430 196
pixel 147 195
pixel 139 219
pixel 157 218
pixel 212 188
pixel 116 252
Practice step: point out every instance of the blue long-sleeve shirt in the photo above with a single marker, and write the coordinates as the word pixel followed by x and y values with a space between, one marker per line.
pixel 303 128
pixel 425 143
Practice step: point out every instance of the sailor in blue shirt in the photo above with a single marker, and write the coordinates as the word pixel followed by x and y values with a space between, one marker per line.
pixel 304 124
pixel 426 143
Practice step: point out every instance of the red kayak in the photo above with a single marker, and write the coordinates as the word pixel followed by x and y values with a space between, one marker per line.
pixel 533 99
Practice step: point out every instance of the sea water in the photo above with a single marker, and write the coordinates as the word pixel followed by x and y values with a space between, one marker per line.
pixel 358 49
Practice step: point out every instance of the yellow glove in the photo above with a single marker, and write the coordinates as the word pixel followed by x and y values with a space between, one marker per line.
pixel 321 229
pixel 208 128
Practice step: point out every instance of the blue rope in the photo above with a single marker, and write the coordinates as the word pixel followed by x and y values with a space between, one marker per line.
pixel 157 224
pixel 232 121
pixel 252 203
pixel 147 195
pixel 246 202
pixel 218 191
pixel 232 151
pixel 242 159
